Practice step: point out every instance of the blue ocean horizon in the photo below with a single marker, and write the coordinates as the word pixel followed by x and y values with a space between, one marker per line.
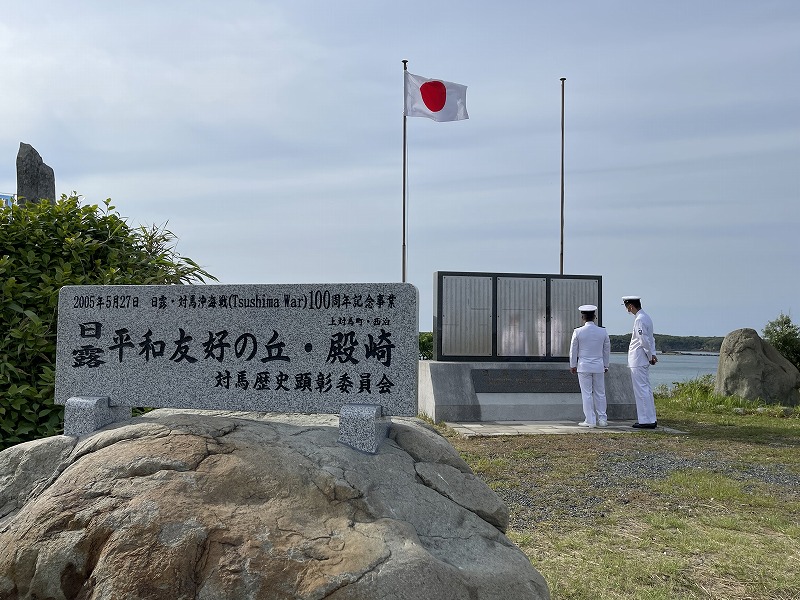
pixel 675 368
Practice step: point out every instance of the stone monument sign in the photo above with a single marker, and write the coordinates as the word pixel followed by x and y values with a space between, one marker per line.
pixel 303 348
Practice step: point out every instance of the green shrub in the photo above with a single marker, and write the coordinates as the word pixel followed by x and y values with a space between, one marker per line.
pixel 46 246
pixel 425 345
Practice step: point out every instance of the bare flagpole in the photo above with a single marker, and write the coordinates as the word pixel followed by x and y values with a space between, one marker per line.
pixel 563 79
pixel 405 170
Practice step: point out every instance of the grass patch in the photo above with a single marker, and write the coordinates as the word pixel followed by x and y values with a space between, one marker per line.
pixel 694 407
pixel 712 514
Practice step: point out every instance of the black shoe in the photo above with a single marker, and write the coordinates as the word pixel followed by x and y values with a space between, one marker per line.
pixel 645 425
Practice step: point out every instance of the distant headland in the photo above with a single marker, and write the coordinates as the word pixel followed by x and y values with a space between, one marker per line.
pixel 672 343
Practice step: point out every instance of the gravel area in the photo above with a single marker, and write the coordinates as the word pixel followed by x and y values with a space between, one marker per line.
pixel 641 466
pixel 613 477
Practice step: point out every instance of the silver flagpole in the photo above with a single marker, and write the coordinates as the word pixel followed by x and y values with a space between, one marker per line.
pixel 405 118
pixel 561 263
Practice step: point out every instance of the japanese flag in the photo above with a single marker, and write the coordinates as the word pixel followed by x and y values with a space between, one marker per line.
pixel 435 99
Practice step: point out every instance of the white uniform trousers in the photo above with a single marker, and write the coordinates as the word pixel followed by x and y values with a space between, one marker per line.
pixel 643 392
pixel 593 392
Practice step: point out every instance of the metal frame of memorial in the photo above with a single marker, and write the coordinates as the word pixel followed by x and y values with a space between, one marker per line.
pixel 509 317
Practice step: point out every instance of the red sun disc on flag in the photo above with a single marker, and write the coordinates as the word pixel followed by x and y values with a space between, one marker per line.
pixel 434 95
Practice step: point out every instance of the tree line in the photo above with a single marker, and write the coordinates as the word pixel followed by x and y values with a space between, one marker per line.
pixel 671 343
pixel 619 343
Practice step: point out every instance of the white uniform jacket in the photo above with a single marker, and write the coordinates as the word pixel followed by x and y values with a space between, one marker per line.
pixel 643 344
pixel 590 349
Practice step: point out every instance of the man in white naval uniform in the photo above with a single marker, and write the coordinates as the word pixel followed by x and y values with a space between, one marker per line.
pixel 589 353
pixel 642 354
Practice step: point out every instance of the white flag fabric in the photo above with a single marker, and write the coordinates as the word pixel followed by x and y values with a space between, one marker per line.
pixel 435 99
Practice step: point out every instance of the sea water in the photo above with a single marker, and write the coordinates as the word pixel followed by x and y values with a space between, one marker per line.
pixel 675 368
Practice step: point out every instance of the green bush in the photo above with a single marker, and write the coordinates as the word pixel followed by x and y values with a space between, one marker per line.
pixel 784 336
pixel 425 345
pixel 46 246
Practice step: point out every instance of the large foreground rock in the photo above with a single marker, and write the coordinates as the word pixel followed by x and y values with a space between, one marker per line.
pixel 210 505
pixel 751 368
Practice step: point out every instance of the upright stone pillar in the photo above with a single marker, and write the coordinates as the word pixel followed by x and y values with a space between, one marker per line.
pixel 35 180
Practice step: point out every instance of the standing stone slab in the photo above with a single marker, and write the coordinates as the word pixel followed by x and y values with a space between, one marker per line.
pixel 35 180
pixel 306 348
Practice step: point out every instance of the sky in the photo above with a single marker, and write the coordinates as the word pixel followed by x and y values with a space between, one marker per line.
pixel 268 137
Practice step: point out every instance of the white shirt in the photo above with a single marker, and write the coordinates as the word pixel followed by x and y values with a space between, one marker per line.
pixel 643 344
pixel 590 349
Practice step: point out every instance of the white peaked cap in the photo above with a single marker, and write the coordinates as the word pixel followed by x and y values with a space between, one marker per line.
pixel 626 298
pixel 587 308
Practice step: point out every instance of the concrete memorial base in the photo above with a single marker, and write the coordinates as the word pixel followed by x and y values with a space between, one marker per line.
pixel 476 392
